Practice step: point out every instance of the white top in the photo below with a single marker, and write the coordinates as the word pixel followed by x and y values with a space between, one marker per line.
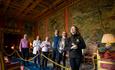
pixel 62 45
pixel 45 46
pixel 36 46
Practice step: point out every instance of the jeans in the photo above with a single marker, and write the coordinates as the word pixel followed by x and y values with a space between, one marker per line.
pixel 54 56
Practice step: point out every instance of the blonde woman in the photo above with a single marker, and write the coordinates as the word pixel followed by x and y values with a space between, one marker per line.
pixel 36 49
pixel 45 47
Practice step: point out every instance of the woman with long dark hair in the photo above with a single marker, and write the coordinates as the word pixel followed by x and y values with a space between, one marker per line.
pixel 76 44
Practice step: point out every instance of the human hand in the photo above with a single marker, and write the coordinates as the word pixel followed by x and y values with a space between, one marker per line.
pixel 67 55
pixel 74 47
pixel 73 44
pixel 20 49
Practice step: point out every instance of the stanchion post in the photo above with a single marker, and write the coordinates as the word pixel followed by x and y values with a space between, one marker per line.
pixel 2 61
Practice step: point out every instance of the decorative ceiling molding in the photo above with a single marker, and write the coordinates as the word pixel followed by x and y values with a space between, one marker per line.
pixel 29 9
pixel 24 6
pixel 61 5
pixel 53 7
pixel 36 9
pixel 34 4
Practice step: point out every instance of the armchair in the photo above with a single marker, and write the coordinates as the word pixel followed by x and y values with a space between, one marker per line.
pixel 105 64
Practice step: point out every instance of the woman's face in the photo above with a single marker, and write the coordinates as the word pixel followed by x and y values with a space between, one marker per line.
pixel 47 38
pixel 64 34
pixel 73 30
pixel 37 37
pixel 56 32
pixel 25 36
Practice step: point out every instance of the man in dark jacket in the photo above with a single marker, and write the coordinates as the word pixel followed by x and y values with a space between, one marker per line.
pixel 76 44
pixel 62 50
pixel 55 46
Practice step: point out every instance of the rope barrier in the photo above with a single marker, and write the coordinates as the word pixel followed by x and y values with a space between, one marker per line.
pixel 7 53
pixel 19 55
pixel 67 68
pixel 25 59
pixel 46 58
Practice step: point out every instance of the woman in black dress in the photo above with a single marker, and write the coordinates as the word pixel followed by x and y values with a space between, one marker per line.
pixel 76 44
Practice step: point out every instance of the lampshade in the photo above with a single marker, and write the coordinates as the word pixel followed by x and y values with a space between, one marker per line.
pixel 108 38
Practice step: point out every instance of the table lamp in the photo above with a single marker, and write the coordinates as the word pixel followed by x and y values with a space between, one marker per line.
pixel 107 39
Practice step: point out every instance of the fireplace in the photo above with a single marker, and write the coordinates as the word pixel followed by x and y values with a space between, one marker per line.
pixel 9 40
